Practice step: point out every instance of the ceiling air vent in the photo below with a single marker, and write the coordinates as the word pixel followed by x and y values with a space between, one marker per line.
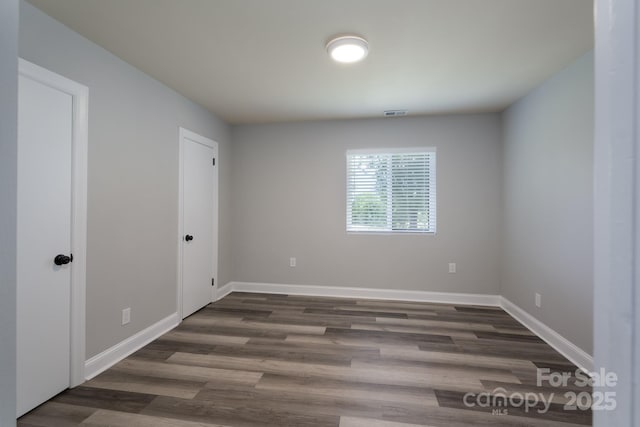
pixel 395 113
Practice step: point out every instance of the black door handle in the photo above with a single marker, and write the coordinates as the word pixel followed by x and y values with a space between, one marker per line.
pixel 188 238
pixel 62 259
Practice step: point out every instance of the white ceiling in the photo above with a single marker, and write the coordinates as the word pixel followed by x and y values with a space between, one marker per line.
pixel 251 61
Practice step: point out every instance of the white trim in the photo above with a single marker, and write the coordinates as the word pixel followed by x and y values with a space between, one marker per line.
pixel 617 208
pixel 364 293
pixel 80 95
pixel 184 135
pixel 575 354
pixel 565 347
pixel 223 291
pixel 396 150
pixel 180 222
pixel 113 355
pixel 354 179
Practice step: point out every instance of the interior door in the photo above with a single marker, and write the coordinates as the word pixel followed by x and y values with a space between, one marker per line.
pixel 198 194
pixel 45 123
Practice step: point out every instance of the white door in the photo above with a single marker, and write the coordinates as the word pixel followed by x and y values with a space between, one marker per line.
pixel 199 220
pixel 52 223
pixel 45 124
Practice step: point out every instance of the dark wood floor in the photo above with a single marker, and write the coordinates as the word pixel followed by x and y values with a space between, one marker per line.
pixel 277 360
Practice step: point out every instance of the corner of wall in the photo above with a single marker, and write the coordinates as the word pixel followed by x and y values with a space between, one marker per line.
pixel 547 201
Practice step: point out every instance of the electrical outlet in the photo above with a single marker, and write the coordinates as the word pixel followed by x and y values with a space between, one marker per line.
pixel 126 315
pixel 452 267
pixel 292 262
pixel 538 300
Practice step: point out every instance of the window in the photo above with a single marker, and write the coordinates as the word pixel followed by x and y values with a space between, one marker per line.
pixel 391 190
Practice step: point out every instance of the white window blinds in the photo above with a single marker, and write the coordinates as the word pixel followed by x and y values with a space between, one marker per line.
pixel 391 190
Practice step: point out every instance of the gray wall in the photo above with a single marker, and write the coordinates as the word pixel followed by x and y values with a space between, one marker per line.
pixel 133 178
pixel 548 202
pixel 8 186
pixel 288 185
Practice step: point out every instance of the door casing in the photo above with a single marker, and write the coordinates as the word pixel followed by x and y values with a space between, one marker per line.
pixel 186 135
pixel 80 95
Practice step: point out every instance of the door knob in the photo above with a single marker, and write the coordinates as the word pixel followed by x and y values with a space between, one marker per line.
pixel 62 259
pixel 188 238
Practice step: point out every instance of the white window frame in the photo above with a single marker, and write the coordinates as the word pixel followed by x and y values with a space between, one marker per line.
pixel 431 190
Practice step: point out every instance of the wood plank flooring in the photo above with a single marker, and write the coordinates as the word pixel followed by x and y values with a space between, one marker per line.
pixel 278 360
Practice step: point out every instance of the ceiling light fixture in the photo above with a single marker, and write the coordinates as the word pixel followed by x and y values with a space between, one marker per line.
pixel 348 48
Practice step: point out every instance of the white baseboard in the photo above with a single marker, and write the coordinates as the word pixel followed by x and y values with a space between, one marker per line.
pixel 575 354
pixel 364 293
pixel 223 291
pixel 113 355
pixel 565 347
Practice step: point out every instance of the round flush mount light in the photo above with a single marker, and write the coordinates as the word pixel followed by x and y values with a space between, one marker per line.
pixel 348 48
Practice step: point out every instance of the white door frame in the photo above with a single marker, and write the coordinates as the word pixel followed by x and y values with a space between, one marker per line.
pixel 80 96
pixel 184 136
pixel 617 206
